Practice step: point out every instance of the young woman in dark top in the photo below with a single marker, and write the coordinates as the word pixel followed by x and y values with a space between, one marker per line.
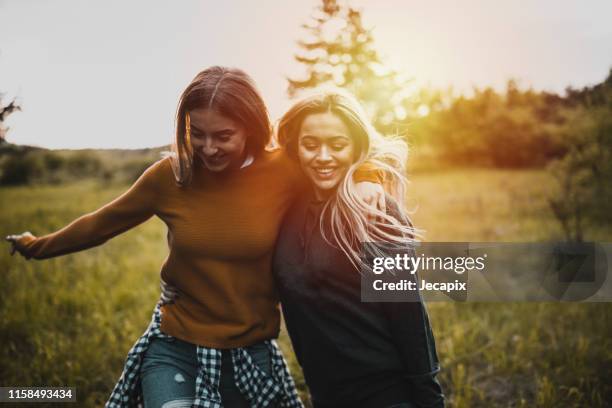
pixel 353 354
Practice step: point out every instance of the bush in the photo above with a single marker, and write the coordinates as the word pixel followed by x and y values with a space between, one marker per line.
pixel 584 191
pixel 20 169
pixel 21 165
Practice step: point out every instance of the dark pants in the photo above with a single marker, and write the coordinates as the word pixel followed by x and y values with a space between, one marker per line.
pixel 417 392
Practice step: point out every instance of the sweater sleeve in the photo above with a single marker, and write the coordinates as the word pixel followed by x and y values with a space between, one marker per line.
pixel 409 321
pixel 127 211
pixel 369 172
pixel 412 335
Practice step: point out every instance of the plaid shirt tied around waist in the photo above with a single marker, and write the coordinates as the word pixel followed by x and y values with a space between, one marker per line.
pixel 258 388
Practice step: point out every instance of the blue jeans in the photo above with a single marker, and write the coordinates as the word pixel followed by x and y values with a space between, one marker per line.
pixel 169 370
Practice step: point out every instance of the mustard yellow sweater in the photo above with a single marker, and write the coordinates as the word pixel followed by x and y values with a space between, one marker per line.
pixel 221 234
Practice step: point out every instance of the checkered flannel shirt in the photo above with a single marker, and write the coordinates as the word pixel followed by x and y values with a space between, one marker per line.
pixel 259 389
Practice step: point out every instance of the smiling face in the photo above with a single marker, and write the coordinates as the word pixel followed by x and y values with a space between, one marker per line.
pixel 325 151
pixel 218 141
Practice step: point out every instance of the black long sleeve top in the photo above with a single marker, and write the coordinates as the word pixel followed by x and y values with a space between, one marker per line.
pixel 353 354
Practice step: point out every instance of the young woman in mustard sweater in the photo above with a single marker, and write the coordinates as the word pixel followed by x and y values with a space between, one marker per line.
pixel 222 196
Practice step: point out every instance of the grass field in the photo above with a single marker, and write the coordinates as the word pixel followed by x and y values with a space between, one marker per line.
pixel 71 320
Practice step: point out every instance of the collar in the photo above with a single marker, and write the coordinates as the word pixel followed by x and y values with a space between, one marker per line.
pixel 248 161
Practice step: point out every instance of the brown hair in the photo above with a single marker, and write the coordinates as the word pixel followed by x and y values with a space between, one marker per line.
pixel 232 93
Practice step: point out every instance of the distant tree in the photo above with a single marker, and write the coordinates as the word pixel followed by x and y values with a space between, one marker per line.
pixel 597 95
pixel 339 50
pixel 516 128
pixel 6 110
pixel 584 193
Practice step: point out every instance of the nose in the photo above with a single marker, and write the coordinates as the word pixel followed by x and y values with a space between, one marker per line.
pixel 323 155
pixel 208 147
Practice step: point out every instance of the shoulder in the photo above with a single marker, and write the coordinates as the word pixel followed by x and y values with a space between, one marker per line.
pixel 157 174
pixel 279 161
pixel 276 157
pixel 163 165
pixel 162 168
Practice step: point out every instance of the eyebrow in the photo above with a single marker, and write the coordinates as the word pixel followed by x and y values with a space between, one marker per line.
pixel 196 129
pixel 332 137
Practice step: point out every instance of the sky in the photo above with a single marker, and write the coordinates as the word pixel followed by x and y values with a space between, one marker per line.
pixel 108 74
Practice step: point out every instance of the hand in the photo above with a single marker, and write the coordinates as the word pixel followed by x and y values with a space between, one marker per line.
pixel 19 241
pixel 373 195
pixel 168 293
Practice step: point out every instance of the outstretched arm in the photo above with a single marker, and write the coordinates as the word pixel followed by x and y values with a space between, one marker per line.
pixel 130 209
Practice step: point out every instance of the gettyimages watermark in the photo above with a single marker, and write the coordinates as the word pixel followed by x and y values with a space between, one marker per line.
pixel 487 272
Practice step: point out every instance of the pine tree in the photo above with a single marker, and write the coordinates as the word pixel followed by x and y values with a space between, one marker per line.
pixel 339 50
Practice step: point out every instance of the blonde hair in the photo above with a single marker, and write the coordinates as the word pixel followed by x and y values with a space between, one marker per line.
pixel 348 221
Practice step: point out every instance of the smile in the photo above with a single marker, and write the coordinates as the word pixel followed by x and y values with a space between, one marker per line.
pixel 324 172
pixel 215 159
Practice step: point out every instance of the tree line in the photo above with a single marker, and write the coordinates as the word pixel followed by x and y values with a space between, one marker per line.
pixel 569 135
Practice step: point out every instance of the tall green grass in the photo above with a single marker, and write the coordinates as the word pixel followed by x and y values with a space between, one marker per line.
pixel 70 321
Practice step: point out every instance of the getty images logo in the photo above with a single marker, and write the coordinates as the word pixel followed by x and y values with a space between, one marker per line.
pixel 576 270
